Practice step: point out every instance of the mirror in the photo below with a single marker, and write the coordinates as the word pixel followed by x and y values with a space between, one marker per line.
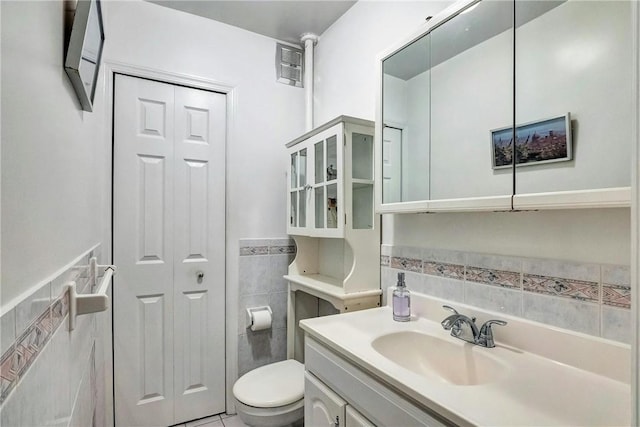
pixel 575 57
pixel 553 75
pixel 84 52
pixel 471 93
pixel 405 100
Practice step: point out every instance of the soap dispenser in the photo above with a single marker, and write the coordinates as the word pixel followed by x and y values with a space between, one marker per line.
pixel 401 301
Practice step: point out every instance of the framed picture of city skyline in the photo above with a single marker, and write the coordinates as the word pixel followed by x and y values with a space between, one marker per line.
pixel 542 141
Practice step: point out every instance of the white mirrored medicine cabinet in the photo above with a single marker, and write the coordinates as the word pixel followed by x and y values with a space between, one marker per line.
pixel 556 77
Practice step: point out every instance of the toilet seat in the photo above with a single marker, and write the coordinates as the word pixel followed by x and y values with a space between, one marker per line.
pixel 270 386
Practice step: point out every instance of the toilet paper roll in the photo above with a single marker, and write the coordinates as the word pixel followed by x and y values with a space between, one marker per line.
pixel 261 320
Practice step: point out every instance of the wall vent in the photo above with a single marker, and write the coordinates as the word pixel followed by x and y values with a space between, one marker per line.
pixel 289 65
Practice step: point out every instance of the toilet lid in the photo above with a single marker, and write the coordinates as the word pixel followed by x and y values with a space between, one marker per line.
pixel 269 386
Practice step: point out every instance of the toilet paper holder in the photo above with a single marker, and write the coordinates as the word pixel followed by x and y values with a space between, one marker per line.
pixel 252 310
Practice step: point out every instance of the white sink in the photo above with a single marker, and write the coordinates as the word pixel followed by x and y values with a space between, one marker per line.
pixel 456 363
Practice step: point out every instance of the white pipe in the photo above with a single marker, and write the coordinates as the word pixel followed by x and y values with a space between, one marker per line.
pixel 309 41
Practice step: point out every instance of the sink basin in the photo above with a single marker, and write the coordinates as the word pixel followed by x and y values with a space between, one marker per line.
pixel 456 363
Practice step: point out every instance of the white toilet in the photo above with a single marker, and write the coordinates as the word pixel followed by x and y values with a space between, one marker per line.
pixel 271 395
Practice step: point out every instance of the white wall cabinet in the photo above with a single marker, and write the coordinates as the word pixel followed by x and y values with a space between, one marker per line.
pixel 331 179
pixel 475 91
pixel 335 387
pixel 332 219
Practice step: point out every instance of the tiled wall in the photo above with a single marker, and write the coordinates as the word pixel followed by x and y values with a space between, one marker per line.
pixel 589 298
pixel 48 374
pixel 262 264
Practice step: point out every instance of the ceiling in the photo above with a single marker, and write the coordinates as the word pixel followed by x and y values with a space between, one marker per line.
pixel 282 20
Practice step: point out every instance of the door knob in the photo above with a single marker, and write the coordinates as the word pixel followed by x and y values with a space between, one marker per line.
pixel 200 276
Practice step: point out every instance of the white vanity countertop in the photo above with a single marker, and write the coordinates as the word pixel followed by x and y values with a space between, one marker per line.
pixel 530 390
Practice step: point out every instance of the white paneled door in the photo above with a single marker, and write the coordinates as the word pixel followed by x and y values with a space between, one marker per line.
pixel 169 246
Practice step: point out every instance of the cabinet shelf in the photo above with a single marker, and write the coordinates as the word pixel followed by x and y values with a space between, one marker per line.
pixel 330 289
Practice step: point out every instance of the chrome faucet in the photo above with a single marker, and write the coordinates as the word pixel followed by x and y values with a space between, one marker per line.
pixel 456 324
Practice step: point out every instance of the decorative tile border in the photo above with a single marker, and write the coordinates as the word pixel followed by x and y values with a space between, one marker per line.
pixel 251 247
pixel 254 250
pixel 505 279
pixel 20 356
pixel 408 264
pixel 616 296
pixel 577 289
pixel 277 250
pixel 451 271
pixel 588 288
pixel 8 373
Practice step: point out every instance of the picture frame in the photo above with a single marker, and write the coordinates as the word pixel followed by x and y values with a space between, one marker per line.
pixel 84 52
pixel 540 142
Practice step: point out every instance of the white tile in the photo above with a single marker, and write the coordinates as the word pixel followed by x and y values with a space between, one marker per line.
pixel 495 262
pixel 442 287
pixel 406 252
pixel 387 280
pixel 494 298
pixel 278 304
pixel 278 267
pixel 32 307
pixel 234 421
pixel 254 277
pixel 386 250
pixel 616 275
pixel 213 421
pixel 616 324
pixel 446 256
pixel 565 313
pixel 562 269
pixel 59 346
pixel 7 330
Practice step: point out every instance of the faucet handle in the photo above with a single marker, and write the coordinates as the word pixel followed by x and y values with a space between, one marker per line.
pixel 448 307
pixel 486 333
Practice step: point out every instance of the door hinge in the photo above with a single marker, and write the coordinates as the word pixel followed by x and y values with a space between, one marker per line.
pixel 345 219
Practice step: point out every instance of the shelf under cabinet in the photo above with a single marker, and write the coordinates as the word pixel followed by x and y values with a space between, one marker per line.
pixel 618 197
pixel 330 289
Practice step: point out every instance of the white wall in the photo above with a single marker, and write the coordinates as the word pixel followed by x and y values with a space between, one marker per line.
pixel 54 175
pixel 345 59
pixel 53 165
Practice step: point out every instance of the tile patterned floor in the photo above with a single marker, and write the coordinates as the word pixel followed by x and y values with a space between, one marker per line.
pixel 222 420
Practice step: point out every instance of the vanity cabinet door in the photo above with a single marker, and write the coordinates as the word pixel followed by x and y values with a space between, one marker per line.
pixel 322 407
pixel 354 418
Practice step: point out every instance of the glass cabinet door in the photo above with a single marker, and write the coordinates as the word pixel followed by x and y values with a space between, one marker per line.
pixel 326 171
pixel 293 191
pixel 299 187
pixel 362 180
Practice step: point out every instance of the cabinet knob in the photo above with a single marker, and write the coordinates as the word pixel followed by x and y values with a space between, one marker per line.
pixel 200 276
